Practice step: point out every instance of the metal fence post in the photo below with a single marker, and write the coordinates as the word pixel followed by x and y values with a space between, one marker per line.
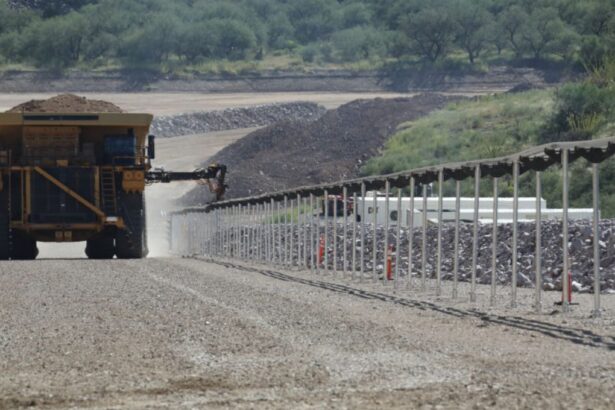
pixel 424 244
pixel 256 233
pixel 494 242
pixel 233 234
pixel 326 203
pixel 267 228
pixel 354 235
pixel 363 221
pixel 411 232
pixel 334 220
pixel 565 273
pixel 238 233
pixel 375 238
pixel 280 244
pixel 225 231
pixel 303 249
pixel 345 230
pixel 221 233
pixel 398 239
pixel 263 232
pixel 439 245
pixel 238 237
pixel 291 227
pixel 312 234
pixel 538 252
pixel 235 237
pixel 287 230
pixel 596 227
pixel 515 238
pixel 475 235
pixel 387 212
pixel 245 231
pixel 456 244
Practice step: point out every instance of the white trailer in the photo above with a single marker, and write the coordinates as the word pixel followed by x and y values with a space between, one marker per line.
pixel 527 210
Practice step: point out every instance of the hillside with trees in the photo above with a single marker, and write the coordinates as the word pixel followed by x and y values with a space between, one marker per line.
pixel 195 35
pixel 502 124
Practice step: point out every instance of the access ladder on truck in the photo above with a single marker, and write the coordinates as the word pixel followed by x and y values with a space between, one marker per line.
pixel 108 194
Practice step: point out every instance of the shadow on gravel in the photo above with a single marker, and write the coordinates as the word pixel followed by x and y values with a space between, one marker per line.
pixel 574 335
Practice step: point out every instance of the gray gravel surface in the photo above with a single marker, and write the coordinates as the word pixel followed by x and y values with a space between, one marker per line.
pixel 234 118
pixel 183 333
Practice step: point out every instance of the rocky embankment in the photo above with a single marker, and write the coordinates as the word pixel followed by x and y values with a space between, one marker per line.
pixel 233 118
pixel 580 245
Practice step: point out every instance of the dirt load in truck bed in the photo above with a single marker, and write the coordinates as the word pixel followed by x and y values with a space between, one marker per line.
pixel 67 103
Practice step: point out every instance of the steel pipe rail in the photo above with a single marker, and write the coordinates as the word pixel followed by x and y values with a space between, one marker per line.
pixel 300 228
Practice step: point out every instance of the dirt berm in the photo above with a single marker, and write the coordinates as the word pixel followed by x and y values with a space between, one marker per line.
pixel 295 153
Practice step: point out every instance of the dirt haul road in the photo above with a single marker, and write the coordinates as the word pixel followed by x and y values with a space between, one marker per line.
pixel 181 333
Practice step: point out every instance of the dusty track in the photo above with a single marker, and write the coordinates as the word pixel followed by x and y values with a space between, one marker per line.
pixel 179 333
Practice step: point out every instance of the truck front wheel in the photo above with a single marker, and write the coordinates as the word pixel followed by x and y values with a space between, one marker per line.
pixel 101 247
pixel 5 243
pixel 23 247
pixel 131 243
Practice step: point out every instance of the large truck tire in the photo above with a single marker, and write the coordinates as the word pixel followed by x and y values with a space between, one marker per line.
pixel 100 247
pixel 131 243
pixel 5 243
pixel 23 247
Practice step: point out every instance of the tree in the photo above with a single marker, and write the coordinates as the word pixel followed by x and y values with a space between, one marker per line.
pixel 431 32
pixel 195 41
pixel 313 20
pixel 280 30
pixel 473 27
pixel 355 14
pixel 597 18
pixel 55 43
pixel 511 22
pixel 359 43
pixel 154 42
pixel 580 109
pixel 544 32
pixel 231 38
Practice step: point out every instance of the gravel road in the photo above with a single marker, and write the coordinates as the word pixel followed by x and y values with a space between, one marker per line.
pixel 183 333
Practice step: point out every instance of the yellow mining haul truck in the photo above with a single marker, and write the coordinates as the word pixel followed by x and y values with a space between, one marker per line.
pixel 67 177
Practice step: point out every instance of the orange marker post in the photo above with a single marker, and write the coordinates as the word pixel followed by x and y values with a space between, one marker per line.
pixel 390 262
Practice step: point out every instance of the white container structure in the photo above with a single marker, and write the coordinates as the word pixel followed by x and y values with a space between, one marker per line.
pixel 527 210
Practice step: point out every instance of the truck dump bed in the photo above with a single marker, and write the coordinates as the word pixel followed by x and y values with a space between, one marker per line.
pixel 42 138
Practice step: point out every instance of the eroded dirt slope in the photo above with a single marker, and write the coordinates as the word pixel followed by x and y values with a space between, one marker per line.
pixel 296 153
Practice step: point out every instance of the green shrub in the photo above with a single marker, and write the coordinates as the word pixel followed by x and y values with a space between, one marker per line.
pixel 309 53
pixel 359 43
pixel 580 109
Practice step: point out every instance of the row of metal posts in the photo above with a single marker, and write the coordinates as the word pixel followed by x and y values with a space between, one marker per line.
pixel 292 232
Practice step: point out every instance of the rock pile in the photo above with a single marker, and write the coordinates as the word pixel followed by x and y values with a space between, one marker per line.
pixel 580 246
pixel 233 118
